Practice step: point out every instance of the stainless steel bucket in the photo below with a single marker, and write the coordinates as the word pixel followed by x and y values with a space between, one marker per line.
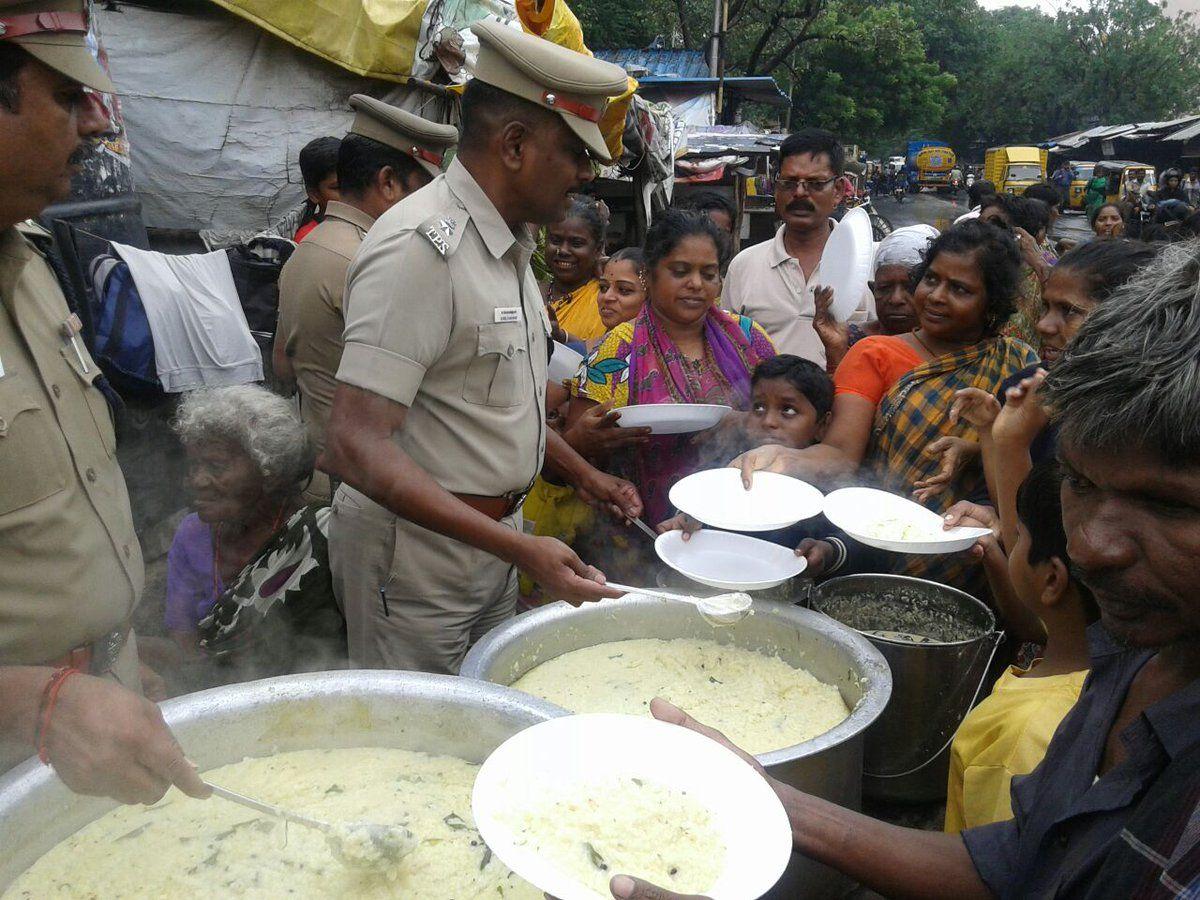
pixel 828 766
pixel 412 711
pixel 907 752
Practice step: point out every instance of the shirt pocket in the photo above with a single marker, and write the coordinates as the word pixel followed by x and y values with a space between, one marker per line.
pixel 29 457
pixel 497 375
pixel 94 398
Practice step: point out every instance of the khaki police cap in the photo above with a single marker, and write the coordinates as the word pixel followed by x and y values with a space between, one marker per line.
pixel 55 32
pixel 424 141
pixel 575 86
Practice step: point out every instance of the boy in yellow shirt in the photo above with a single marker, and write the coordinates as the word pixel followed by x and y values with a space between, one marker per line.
pixel 1008 732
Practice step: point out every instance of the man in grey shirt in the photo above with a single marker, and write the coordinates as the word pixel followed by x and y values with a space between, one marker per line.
pixel 1129 442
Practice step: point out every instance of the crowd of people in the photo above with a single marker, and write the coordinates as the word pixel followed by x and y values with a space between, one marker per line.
pixel 376 520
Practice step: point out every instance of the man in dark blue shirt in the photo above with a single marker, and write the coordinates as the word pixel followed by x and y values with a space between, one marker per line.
pixel 1124 400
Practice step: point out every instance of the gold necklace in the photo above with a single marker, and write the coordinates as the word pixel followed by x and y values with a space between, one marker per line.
pixel 928 349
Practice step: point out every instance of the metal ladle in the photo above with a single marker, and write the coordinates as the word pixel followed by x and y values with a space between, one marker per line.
pixel 722 609
pixel 360 845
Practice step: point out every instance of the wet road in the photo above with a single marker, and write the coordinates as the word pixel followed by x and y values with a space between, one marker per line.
pixel 940 210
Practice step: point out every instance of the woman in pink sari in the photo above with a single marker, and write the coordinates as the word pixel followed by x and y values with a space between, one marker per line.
pixel 682 348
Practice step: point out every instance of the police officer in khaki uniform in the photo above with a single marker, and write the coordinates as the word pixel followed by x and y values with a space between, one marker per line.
pixel 438 425
pixel 70 566
pixel 388 154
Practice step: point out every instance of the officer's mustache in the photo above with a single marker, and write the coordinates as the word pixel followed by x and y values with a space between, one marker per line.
pixel 801 206
pixel 85 149
pixel 81 153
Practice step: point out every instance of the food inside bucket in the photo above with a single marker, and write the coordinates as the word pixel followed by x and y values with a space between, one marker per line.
pixel 759 702
pixel 194 848
pixel 904 614
pixel 903 636
pixel 624 825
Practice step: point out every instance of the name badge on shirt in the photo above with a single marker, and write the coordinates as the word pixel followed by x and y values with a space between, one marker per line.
pixel 507 314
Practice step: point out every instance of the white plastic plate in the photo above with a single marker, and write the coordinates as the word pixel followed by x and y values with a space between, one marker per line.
pixel 564 363
pixel 672 418
pixel 857 511
pixel 548 758
pixel 727 560
pixel 846 262
pixel 717 498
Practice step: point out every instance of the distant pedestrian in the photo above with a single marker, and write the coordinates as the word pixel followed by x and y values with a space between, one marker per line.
pixel 1061 179
pixel 1192 188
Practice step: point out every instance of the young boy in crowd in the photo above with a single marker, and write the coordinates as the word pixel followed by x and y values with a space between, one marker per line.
pixel 1007 734
pixel 791 403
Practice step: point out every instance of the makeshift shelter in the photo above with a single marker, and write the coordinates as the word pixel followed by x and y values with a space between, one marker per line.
pixel 682 79
pixel 736 161
pixel 217 110
pixel 1163 144
pixel 219 97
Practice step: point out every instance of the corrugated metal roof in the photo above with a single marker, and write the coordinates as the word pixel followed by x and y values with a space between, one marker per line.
pixel 660 63
pixel 1062 138
pixel 718 140
pixel 1113 131
pixel 1185 134
pixel 1138 131
pixel 760 89
pixel 1170 124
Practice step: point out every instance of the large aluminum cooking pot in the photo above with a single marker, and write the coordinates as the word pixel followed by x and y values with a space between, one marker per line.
pixel 828 766
pixel 324 710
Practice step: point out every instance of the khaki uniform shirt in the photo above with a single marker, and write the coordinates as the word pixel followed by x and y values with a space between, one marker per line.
pixel 70 565
pixel 311 319
pixel 444 316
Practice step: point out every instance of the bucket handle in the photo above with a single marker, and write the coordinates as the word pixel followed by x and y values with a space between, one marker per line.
pixel 999 636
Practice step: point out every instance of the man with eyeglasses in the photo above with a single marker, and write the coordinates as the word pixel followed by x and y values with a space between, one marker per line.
pixel 774 282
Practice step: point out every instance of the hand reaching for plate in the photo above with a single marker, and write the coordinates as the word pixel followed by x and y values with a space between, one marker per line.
pixel 975 406
pixel 625 888
pixel 680 522
pixel 596 433
pixel 834 335
pixel 956 454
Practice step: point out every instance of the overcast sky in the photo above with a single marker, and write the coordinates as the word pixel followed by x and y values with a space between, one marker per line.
pixel 1052 6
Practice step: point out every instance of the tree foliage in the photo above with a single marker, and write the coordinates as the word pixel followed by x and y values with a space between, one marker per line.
pixel 1113 61
pixel 880 71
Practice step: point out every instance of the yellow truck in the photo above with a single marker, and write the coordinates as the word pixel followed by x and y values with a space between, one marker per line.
pixel 1012 169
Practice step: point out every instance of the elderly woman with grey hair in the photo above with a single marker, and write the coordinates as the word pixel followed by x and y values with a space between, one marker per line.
pixel 251 551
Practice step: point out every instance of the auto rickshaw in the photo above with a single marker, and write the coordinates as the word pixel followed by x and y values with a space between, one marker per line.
pixel 1120 174
pixel 1081 174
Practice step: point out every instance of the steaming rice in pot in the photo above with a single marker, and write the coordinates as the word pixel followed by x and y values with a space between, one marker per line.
pixel 760 702
pixel 193 848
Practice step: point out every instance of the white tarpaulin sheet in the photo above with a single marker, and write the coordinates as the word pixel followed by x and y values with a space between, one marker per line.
pixel 217 110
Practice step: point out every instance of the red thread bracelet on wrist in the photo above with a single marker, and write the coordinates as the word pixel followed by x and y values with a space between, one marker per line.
pixel 41 707
pixel 46 711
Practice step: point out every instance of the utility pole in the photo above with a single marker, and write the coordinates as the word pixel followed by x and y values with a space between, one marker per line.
pixel 716 58
pixel 714 44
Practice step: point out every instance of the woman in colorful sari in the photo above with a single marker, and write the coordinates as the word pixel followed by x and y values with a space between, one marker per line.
pixel 893 392
pixel 553 509
pixel 573 250
pixel 681 348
